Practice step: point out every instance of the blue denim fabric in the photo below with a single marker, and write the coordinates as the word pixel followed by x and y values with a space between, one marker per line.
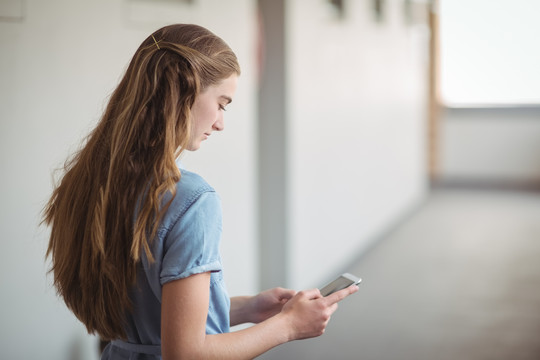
pixel 187 243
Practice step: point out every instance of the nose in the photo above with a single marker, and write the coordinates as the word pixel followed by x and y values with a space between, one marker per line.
pixel 219 125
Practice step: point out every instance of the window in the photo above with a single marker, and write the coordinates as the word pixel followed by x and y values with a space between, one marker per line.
pixel 490 52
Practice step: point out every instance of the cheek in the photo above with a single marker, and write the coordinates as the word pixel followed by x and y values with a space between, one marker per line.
pixel 208 117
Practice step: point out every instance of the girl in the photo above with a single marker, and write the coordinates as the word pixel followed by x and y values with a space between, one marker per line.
pixel 135 237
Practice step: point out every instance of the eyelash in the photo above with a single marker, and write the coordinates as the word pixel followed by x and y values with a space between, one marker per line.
pixel 221 107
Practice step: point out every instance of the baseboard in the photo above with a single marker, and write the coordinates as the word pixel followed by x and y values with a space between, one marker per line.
pixel 484 184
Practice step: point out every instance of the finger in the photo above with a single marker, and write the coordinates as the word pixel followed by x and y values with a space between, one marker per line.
pixel 341 294
pixel 286 294
pixel 332 308
pixel 311 294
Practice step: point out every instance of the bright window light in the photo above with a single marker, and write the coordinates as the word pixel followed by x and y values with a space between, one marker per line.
pixel 490 52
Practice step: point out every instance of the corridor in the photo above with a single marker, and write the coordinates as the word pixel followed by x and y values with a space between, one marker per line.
pixel 459 279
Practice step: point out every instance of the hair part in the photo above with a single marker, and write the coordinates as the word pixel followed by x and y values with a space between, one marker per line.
pixel 107 207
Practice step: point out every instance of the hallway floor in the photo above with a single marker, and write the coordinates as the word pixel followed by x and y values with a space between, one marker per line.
pixel 460 279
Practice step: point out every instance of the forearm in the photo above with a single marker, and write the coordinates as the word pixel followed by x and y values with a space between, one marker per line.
pixel 279 319
pixel 251 342
pixel 244 344
pixel 240 312
pixel 258 308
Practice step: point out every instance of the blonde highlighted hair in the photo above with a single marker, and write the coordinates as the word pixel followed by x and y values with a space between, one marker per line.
pixel 106 208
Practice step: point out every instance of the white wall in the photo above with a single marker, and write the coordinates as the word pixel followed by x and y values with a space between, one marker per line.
pixel 57 66
pixel 357 110
pixel 498 146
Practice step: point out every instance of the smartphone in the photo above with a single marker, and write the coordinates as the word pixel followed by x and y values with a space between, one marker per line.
pixel 343 281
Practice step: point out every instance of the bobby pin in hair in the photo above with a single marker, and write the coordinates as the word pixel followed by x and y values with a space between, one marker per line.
pixel 156 42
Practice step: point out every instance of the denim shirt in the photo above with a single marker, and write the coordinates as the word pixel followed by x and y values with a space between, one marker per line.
pixel 187 243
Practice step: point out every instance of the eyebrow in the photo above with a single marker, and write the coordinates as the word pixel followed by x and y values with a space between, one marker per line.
pixel 229 100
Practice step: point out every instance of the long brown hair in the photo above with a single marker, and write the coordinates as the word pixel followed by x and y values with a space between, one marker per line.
pixel 106 208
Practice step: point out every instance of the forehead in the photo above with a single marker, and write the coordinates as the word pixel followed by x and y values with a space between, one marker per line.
pixel 226 87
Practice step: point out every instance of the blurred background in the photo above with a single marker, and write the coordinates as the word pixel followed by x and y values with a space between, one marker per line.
pixel 395 139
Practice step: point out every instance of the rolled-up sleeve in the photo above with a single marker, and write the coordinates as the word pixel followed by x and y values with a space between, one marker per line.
pixel 192 243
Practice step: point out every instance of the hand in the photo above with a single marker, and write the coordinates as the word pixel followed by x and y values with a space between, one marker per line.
pixel 309 312
pixel 269 303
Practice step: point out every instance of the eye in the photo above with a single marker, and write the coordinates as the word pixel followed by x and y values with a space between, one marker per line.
pixel 222 107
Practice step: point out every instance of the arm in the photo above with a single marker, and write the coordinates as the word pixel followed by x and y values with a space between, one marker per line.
pixel 254 309
pixel 183 322
pixel 183 326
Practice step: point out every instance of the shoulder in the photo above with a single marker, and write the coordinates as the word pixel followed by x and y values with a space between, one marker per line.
pixel 191 183
pixel 192 191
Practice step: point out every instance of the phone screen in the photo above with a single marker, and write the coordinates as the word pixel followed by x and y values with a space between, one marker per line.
pixel 341 282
